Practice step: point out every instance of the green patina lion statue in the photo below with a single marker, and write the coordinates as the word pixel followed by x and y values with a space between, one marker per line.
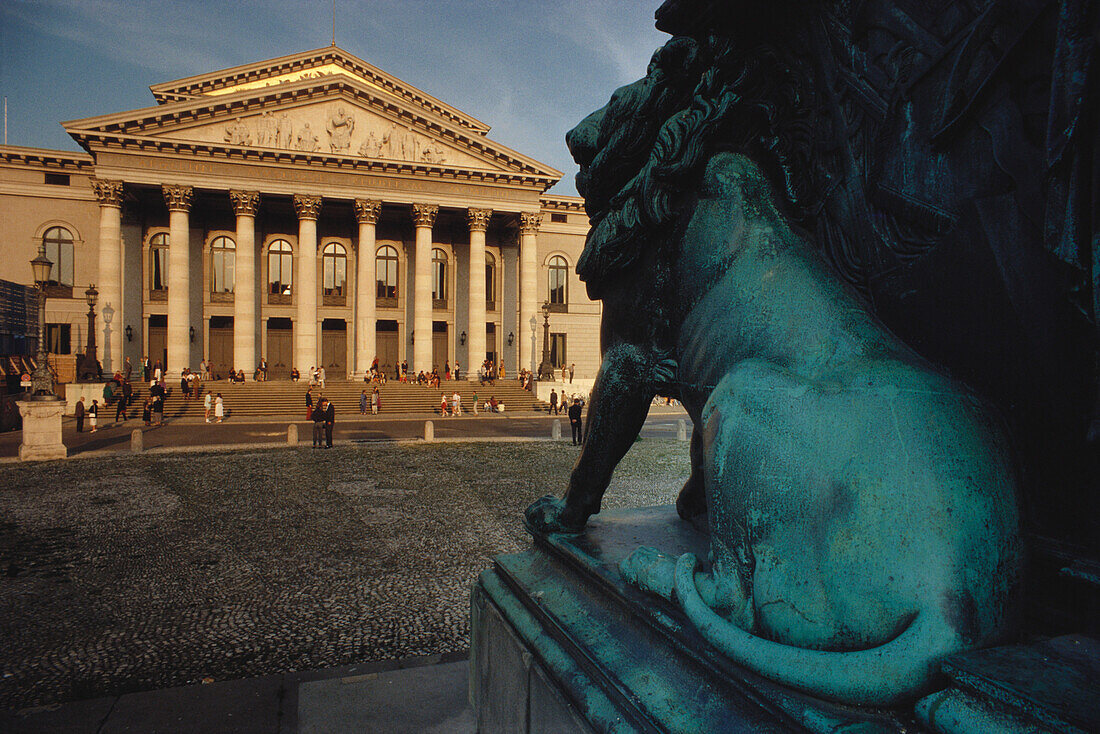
pixel 861 505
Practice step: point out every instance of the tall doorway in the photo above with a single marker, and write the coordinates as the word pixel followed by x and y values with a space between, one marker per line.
pixel 280 347
pixel 385 337
pixel 158 340
pixel 490 345
pixel 440 354
pixel 221 347
pixel 334 348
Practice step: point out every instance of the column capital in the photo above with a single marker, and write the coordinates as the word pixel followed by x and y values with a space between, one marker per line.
pixel 478 219
pixel 107 193
pixel 308 207
pixel 367 211
pixel 424 214
pixel 529 222
pixel 178 198
pixel 245 202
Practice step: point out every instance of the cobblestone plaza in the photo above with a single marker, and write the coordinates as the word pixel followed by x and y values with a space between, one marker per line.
pixel 142 572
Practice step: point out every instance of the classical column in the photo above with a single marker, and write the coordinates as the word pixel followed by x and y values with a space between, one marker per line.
pixel 109 285
pixel 478 219
pixel 244 283
pixel 305 330
pixel 366 213
pixel 178 199
pixel 529 223
pixel 423 218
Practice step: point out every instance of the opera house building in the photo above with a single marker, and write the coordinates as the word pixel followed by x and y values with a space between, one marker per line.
pixel 310 210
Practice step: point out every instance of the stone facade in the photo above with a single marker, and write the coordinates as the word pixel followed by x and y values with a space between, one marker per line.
pixel 310 209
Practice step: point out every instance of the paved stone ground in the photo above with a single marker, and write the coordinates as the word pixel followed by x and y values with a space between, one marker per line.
pixel 139 572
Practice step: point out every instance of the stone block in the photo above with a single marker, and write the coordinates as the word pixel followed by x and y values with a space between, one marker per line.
pixel 555 430
pixel 429 431
pixel 292 434
pixel 137 441
pixel 41 430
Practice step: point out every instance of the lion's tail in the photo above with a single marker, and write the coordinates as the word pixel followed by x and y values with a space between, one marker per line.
pixel 899 670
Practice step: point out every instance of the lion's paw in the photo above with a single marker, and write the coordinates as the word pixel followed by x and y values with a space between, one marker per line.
pixel 548 515
pixel 650 570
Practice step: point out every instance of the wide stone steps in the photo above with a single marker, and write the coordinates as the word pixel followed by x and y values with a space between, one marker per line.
pixel 287 399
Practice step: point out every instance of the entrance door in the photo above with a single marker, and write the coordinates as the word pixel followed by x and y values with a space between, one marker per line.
pixel 280 351
pixel 221 346
pixel 490 345
pixel 386 344
pixel 158 340
pixel 334 348
pixel 439 345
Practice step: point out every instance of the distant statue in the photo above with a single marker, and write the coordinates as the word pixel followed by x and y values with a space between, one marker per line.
pixel 284 134
pixel 861 504
pixel 370 147
pixel 237 133
pixel 307 141
pixel 340 127
pixel 266 130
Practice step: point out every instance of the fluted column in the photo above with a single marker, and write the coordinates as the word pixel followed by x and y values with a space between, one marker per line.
pixel 178 199
pixel 366 213
pixel 529 223
pixel 423 217
pixel 478 219
pixel 305 330
pixel 244 282
pixel 109 284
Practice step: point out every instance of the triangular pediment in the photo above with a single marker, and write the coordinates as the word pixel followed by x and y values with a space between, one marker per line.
pixel 316 117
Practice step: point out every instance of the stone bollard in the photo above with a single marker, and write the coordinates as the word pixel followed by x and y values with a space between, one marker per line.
pixel 137 441
pixel 429 431
pixel 292 434
pixel 555 430
pixel 682 431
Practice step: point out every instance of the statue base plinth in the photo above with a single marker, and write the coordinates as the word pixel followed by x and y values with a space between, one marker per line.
pixel 562 643
pixel 41 430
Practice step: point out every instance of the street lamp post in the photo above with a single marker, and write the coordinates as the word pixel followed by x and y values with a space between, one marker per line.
pixel 90 365
pixel 546 372
pixel 42 378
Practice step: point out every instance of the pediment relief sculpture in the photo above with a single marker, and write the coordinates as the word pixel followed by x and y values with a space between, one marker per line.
pixel 339 128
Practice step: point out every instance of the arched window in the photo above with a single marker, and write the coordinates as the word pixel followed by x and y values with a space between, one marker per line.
pixel 280 266
pixel 59 249
pixel 559 274
pixel 490 279
pixel 158 262
pixel 386 272
pixel 439 275
pixel 223 260
pixel 334 262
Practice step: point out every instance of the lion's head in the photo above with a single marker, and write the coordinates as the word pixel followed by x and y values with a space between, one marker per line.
pixel 642 153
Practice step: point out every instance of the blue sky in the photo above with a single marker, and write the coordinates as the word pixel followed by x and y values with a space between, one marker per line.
pixel 529 68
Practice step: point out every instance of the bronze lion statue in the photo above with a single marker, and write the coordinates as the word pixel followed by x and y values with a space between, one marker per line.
pixel 861 504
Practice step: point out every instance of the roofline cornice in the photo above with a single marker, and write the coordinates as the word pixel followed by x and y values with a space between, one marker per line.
pixel 46 158
pixel 203 84
pixel 207 109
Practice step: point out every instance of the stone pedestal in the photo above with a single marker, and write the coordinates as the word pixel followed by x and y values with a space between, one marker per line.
pixel 41 430
pixel 561 643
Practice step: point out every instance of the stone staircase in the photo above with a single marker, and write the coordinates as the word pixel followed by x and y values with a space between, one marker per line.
pixel 286 399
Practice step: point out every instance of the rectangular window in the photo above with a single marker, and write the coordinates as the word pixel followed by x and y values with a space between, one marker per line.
pixel 57 179
pixel 159 268
pixel 335 275
pixel 557 349
pixel 58 338
pixel 387 278
pixel 559 217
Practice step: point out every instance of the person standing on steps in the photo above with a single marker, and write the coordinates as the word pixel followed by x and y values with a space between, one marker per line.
pixel 309 403
pixel 363 400
pixel 78 413
pixel 553 402
pixel 375 401
pixel 207 404
pixel 219 408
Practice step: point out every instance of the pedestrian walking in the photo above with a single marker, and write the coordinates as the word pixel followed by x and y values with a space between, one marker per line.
pixel 363 400
pixel 475 402
pixel 93 415
pixel 321 376
pixel 375 401
pixel 554 402
pixel 78 413
pixel 575 421
pixel 309 403
pixel 329 410
pixel 158 410
pixel 207 404
pixel 456 370
pixel 147 411
pixel 263 369
pixel 219 408
pixel 129 370
pixel 456 404
pixel 120 411
pixel 572 367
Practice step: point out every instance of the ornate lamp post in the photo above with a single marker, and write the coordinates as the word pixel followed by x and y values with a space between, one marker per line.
pixel 42 378
pixel 546 372
pixel 90 366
